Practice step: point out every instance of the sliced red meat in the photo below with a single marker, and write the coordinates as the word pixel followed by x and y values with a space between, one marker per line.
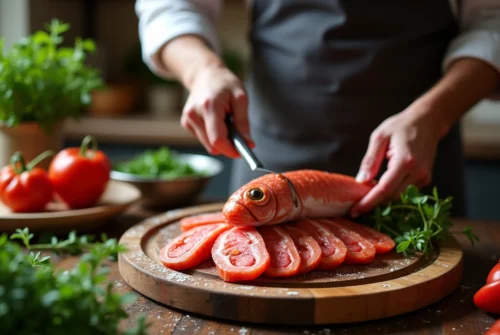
pixel 359 249
pixel 240 254
pixel 309 250
pixel 333 250
pixel 380 241
pixel 192 247
pixel 189 222
pixel 285 258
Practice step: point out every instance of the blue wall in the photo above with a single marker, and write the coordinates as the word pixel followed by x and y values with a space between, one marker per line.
pixel 482 179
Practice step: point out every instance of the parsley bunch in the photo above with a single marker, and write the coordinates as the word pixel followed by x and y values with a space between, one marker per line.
pixel 417 221
pixel 42 81
pixel 36 299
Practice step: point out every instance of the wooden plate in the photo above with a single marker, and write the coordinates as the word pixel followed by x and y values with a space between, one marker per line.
pixel 117 197
pixel 391 285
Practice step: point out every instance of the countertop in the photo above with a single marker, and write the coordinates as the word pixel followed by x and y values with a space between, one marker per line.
pixel 454 315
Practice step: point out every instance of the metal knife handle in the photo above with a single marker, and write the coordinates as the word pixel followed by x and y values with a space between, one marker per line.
pixel 241 145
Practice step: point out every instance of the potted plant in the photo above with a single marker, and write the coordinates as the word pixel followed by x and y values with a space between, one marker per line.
pixel 42 83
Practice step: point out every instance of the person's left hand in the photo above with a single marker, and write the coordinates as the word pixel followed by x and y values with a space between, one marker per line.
pixel 409 141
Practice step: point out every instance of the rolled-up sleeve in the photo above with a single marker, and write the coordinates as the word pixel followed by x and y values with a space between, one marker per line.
pixel 160 21
pixel 479 35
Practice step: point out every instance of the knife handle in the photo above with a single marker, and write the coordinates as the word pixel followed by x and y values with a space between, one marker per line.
pixel 241 145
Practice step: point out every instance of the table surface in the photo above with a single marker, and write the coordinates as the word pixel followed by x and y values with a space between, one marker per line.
pixel 456 314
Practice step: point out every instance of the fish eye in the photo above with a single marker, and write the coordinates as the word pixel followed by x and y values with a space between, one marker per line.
pixel 256 194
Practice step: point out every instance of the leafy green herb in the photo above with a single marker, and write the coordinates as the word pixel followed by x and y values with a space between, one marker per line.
pixel 42 81
pixel 417 221
pixel 161 163
pixel 37 299
pixel 72 245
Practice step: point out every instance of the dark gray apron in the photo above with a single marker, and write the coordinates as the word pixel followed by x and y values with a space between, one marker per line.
pixel 325 74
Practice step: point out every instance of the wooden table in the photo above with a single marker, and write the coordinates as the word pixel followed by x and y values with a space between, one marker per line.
pixel 455 315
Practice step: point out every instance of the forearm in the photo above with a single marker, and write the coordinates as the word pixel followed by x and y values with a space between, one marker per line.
pixel 465 84
pixel 186 55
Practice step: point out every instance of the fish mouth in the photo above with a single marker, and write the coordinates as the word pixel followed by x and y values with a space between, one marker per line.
pixel 237 214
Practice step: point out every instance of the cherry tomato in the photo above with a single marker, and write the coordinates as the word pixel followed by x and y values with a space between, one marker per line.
pixel 24 187
pixel 494 274
pixel 488 298
pixel 80 175
pixel 494 329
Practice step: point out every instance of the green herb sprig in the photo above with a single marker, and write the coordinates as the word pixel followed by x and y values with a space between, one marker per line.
pixel 35 298
pixel 73 245
pixel 417 221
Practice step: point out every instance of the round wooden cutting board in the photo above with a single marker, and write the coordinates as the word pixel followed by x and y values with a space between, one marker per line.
pixel 393 284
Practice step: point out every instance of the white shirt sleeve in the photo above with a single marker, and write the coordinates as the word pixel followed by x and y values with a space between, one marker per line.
pixel 479 35
pixel 160 21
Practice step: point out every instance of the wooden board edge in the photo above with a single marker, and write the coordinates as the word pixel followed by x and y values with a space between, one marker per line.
pixel 152 280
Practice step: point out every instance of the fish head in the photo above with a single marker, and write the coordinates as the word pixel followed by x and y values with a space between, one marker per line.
pixel 254 204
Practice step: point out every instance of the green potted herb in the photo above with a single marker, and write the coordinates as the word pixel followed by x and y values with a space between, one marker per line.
pixel 42 83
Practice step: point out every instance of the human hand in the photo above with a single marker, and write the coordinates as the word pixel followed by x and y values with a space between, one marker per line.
pixel 214 92
pixel 409 141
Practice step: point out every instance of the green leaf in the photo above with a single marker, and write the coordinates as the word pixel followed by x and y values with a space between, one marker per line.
pixel 403 246
pixel 386 211
pixel 88 45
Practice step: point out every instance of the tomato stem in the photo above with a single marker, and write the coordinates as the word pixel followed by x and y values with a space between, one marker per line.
pixel 87 140
pixel 17 162
pixel 35 161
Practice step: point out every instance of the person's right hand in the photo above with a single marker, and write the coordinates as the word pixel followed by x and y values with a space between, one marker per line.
pixel 214 92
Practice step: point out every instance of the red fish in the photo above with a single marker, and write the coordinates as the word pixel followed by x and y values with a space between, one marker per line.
pixel 268 200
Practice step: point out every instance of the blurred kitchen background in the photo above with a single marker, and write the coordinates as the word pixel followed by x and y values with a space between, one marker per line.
pixel 140 111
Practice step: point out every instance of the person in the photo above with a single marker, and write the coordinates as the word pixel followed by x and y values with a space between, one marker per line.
pixel 372 89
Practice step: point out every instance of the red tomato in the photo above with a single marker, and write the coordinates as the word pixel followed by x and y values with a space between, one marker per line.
pixel 190 222
pixel 240 254
pixel 494 274
pixel 285 258
pixel 192 247
pixel 488 298
pixel 382 242
pixel 309 249
pixel 80 175
pixel 25 188
pixel 333 250
pixel 494 329
pixel 359 250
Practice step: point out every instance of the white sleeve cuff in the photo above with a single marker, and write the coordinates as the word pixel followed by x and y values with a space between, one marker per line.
pixel 480 44
pixel 161 29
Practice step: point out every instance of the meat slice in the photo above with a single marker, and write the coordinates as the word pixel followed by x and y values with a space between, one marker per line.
pixel 240 254
pixel 309 250
pixel 333 250
pixel 191 247
pixel 285 258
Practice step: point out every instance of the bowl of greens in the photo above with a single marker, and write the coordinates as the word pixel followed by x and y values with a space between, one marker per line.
pixel 166 178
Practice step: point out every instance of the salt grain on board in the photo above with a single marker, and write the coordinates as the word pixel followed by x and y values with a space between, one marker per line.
pixel 243 331
pixel 177 277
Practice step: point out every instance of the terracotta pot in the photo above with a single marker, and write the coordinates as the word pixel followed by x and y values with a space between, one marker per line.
pixel 114 101
pixel 31 140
